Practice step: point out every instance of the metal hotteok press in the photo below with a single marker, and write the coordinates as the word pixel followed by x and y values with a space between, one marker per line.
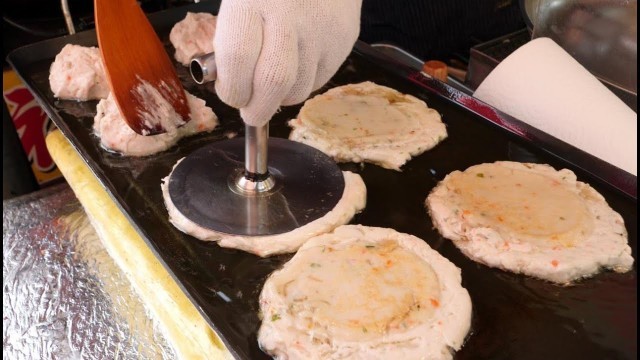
pixel 215 189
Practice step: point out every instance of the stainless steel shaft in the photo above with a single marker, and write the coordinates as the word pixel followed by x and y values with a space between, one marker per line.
pixel 256 177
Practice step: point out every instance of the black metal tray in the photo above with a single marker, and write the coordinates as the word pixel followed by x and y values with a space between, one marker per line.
pixel 514 317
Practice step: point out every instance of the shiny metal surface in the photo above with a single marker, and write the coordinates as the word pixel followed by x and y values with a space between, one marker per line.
pixel 251 185
pixel 64 4
pixel 399 54
pixel 203 68
pixel 256 149
pixel 256 178
pixel 601 34
pixel 63 296
pixel 529 9
pixel 308 184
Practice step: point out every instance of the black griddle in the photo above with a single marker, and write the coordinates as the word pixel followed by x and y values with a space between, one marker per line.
pixel 514 316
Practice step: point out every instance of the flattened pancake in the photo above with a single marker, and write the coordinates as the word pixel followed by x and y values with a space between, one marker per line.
pixel 353 200
pixel 364 293
pixel 368 122
pixel 530 219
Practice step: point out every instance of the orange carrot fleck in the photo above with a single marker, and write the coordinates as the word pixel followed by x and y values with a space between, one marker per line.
pixel 389 262
pixel 434 302
pixel 554 263
pixel 466 212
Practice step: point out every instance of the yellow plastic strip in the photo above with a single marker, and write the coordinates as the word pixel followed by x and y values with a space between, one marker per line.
pixel 179 320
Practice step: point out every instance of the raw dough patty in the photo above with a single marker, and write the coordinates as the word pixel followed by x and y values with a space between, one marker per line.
pixel 530 219
pixel 364 293
pixel 116 135
pixel 368 122
pixel 77 74
pixel 353 200
pixel 193 36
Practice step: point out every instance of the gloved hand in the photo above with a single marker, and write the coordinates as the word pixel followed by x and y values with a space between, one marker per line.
pixel 276 52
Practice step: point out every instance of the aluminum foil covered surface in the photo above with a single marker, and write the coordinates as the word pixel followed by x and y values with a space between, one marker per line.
pixel 63 296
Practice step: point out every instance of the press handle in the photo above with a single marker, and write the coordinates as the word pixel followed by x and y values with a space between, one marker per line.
pixel 203 68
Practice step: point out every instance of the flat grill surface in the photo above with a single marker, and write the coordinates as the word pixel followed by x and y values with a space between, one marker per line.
pixel 514 317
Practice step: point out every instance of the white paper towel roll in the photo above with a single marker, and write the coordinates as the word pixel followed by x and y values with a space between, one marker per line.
pixel 542 85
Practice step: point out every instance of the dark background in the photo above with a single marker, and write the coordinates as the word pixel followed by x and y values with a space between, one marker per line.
pixel 430 29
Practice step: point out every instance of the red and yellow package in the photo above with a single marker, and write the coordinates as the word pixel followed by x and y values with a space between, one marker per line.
pixel 32 125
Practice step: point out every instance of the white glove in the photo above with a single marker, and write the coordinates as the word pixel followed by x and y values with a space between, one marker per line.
pixel 271 53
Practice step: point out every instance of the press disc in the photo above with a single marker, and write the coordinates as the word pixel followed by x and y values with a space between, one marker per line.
pixel 308 184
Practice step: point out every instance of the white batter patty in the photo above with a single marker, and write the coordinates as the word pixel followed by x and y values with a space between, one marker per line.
pixel 115 135
pixel 353 201
pixel 367 122
pixel 530 219
pixel 77 73
pixel 193 36
pixel 364 293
